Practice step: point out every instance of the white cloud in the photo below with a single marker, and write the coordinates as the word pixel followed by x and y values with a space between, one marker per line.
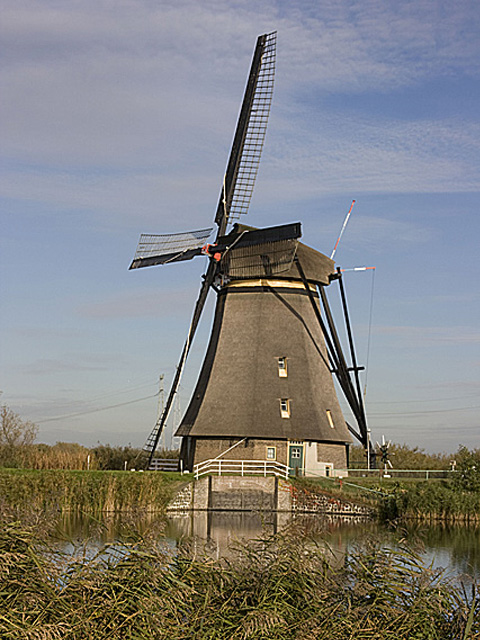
pixel 112 109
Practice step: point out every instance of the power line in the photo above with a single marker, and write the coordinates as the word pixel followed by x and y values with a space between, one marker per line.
pixel 420 413
pixel 470 395
pixel 82 413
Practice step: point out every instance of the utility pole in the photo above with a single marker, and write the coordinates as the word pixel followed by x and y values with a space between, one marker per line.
pixel 160 407
pixel 177 416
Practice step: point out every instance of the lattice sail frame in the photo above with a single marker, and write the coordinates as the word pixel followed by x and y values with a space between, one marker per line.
pixel 170 244
pixel 260 260
pixel 238 203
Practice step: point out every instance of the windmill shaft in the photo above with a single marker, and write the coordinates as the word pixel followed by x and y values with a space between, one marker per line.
pixel 154 438
pixel 343 374
pixel 336 354
pixel 356 369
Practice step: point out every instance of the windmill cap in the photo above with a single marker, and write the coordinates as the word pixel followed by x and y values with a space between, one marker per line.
pixel 318 267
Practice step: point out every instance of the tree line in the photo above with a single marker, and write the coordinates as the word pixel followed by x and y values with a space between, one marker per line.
pixel 19 451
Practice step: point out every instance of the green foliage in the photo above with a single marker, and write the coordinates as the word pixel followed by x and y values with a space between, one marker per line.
pixel 63 455
pixel 16 437
pixel 168 454
pixel 435 500
pixel 402 456
pixel 282 588
pixel 70 455
pixel 467 477
pixel 116 458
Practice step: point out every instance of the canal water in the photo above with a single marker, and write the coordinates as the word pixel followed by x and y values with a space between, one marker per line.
pixel 454 548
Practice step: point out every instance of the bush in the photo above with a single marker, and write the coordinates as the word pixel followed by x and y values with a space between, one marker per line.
pixel 114 458
pixel 467 477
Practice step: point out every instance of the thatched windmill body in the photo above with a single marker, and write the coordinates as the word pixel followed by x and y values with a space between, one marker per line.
pixel 265 390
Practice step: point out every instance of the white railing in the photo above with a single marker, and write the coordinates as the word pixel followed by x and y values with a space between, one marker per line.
pixel 163 464
pixel 427 474
pixel 241 467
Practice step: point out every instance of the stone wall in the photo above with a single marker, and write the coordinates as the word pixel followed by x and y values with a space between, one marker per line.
pixel 231 493
pixel 306 501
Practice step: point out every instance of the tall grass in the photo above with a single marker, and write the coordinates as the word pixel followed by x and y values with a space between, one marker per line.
pixel 431 501
pixel 282 588
pixel 86 491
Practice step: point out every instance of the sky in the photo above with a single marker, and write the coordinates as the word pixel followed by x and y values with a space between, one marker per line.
pixel 117 119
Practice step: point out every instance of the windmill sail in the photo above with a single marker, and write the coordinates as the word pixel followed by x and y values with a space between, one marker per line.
pixel 161 249
pixel 249 136
pixel 235 196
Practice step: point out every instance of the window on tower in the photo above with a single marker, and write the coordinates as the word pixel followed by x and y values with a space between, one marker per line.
pixel 271 453
pixel 282 367
pixel 330 419
pixel 285 408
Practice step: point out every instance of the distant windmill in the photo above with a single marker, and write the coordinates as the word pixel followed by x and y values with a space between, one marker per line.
pixel 265 390
pixel 384 454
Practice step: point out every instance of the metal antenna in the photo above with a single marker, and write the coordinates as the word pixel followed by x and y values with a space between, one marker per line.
pixel 369 320
pixel 345 222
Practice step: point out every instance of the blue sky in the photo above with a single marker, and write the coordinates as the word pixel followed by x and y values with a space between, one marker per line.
pixel 117 119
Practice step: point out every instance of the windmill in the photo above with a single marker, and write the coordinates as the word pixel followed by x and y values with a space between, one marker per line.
pixel 265 389
pixel 384 450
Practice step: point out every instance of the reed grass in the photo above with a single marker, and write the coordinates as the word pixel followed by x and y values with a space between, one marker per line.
pixel 87 491
pixel 280 588
pixel 434 500
pixel 440 500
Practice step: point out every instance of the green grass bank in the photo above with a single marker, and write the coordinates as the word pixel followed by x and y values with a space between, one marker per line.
pixel 65 491
pixel 433 500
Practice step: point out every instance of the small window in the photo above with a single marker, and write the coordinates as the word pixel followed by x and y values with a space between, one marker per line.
pixel 282 367
pixel 271 453
pixel 330 419
pixel 285 408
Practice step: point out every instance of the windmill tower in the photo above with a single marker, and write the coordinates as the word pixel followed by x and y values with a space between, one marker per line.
pixel 265 390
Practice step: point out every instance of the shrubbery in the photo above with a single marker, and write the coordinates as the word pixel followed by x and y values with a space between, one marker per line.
pixel 467 477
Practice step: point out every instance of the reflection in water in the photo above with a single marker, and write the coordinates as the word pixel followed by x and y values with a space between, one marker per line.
pixel 219 533
pixel 456 548
pixel 82 530
pixel 223 530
